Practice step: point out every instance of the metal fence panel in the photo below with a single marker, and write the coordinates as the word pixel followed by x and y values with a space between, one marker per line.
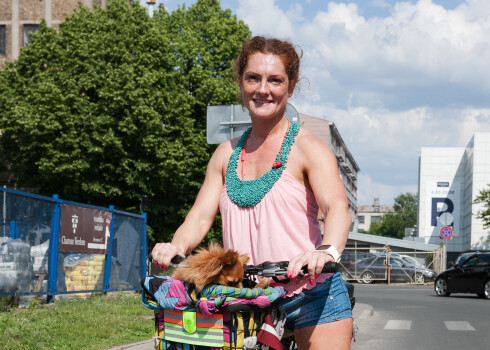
pixel 367 265
pixel 30 263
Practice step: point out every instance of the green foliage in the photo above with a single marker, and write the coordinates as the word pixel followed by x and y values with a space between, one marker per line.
pixel 393 224
pixel 6 303
pixel 113 106
pixel 374 228
pixel 484 214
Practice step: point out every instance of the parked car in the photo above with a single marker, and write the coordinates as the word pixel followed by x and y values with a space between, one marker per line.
pixel 471 275
pixel 347 258
pixel 412 261
pixel 375 268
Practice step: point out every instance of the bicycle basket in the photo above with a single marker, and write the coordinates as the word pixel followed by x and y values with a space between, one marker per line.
pixel 226 330
pixel 220 318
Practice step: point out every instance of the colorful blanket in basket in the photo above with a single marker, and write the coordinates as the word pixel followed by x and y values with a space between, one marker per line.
pixel 163 292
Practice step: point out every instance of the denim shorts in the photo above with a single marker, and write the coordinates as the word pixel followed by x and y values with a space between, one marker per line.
pixel 326 302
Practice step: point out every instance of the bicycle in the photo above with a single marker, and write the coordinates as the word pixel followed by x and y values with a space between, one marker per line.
pixel 240 326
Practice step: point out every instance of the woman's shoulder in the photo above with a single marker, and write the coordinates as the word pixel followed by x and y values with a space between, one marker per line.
pixel 223 153
pixel 308 142
pixel 226 147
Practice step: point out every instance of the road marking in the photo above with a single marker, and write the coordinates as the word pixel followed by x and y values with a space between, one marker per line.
pixel 398 324
pixel 458 326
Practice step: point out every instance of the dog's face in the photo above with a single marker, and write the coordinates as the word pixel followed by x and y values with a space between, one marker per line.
pixel 232 274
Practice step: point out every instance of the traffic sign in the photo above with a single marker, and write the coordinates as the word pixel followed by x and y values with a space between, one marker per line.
pixel 230 121
pixel 446 232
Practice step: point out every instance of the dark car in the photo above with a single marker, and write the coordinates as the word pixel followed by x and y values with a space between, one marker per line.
pixel 472 275
pixel 375 268
pixel 347 258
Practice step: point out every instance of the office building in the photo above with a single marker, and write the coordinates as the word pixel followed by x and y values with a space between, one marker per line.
pixel 450 178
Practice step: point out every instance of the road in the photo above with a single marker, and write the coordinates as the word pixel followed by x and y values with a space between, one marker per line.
pixel 413 317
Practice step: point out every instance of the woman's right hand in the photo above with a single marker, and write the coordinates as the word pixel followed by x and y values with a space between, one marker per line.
pixel 162 253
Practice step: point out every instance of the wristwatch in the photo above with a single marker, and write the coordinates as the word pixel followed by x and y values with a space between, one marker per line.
pixel 330 250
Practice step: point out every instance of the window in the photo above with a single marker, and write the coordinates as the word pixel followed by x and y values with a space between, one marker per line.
pixel 395 263
pixel 470 262
pixel 376 218
pixel 484 260
pixel 29 29
pixel 360 219
pixel 3 40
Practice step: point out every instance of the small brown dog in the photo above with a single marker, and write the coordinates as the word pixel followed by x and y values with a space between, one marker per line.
pixel 214 265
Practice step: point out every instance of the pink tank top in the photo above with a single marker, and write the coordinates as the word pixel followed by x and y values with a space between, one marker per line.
pixel 278 228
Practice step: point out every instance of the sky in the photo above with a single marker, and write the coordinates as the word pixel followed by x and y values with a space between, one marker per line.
pixel 394 76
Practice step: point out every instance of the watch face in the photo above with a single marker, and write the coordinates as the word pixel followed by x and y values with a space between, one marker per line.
pixel 323 247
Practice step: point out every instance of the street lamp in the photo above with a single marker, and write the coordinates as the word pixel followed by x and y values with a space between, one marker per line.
pixel 151 4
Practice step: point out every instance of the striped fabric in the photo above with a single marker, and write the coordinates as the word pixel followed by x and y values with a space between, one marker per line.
pixel 240 328
pixel 209 329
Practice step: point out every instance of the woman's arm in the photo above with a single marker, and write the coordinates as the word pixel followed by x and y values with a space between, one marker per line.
pixel 320 170
pixel 202 214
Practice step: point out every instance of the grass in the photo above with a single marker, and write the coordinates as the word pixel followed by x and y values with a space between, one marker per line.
pixel 99 322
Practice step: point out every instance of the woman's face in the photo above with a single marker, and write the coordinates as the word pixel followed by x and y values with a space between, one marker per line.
pixel 265 86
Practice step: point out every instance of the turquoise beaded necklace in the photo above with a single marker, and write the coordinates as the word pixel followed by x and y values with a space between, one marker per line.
pixel 247 193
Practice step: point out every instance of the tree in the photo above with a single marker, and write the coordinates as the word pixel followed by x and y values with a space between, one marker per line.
pixel 113 106
pixel 484 214
pixel 393 224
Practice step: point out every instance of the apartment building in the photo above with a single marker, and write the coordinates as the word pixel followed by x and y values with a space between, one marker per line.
pixel 20 18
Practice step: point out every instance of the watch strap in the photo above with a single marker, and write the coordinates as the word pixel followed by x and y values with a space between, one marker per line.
pixel 330 250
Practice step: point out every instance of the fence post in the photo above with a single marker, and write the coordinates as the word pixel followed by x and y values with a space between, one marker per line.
pixel 53 249
pixel 108 259
pixel 13 229
pixel 143 248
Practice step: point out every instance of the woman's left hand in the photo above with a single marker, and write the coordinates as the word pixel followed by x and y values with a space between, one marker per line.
pixel 314 260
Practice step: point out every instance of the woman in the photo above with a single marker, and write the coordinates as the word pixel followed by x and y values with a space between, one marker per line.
pixel 269 186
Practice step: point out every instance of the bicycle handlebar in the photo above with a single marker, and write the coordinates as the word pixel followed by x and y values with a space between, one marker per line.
pixel 270 269
pixel 274 269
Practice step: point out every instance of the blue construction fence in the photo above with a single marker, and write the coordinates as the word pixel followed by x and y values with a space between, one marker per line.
pixel 49 246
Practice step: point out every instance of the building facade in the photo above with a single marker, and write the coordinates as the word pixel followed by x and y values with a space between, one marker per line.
pixel 449 181
pixel 20 18
pixel 327 132
pixel 371 213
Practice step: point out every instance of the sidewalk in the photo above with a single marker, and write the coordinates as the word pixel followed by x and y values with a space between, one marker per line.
pixel 361 312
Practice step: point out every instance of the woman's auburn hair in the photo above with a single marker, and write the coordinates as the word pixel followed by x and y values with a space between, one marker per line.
pixel 281 48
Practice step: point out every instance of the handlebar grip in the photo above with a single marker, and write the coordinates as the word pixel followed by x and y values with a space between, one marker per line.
pixel 176 260
pixel 330 267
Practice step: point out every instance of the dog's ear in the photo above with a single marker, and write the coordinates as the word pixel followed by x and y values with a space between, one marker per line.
pixel 244 259
pixel 229 257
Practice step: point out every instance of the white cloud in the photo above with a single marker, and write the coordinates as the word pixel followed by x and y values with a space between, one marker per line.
pixel 439 55
pixel 386 144
pixel 386 193
pixel 380 3
pixel 264 17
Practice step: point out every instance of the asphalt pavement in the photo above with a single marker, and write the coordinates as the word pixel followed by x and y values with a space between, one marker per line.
pixel 360 313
